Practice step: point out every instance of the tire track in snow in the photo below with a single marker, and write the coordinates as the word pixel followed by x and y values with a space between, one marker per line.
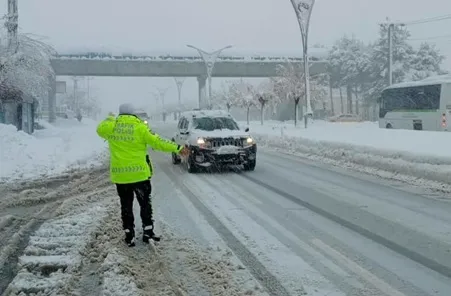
pixel 26 210
pixel 17 243
pixel 271 213
pixel 21 199
pixel 257 269
pixel 52 256
pixel 414 256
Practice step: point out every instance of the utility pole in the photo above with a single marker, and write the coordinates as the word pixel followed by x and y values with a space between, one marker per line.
pixel 391 27
pixel 391 30
pixel 12 25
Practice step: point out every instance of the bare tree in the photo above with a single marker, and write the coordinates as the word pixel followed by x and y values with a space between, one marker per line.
pixel 224 98
pixel 266 96
pixel 245 95
pixel 289 84
pixel 82 103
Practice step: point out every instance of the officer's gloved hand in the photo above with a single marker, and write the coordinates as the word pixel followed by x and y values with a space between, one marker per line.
pixel 185 151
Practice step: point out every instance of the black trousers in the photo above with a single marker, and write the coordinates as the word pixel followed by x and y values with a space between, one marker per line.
pixel 126 192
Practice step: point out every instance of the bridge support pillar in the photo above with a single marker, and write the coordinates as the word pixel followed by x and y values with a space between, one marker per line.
pixel 202 80
pixel 52 99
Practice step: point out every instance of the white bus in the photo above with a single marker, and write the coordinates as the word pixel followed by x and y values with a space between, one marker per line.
pixel 420 105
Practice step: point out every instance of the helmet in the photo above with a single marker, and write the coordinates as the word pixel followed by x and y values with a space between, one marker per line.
pixel 127 109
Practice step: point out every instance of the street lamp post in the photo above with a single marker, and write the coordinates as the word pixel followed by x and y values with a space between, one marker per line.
pixel 209 59
pixel 303 9
pixel 179 82
pixel 76 102
pixel 157 102
pixel 88 79
pixel 161 95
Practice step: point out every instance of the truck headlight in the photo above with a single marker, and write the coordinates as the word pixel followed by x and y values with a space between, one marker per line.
pixel 249 141
pixel 200 141
pixel 145 121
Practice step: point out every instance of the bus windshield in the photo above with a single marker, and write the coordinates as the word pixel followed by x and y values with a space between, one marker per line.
pixel 410 99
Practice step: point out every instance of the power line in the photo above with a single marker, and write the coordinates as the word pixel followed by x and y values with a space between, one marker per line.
pixel 426 20
pixel 430 38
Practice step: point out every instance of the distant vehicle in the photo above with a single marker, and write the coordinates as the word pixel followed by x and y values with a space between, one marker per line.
pixel 345 118
pixel 420 105
pixel 143 116
pixel 215 140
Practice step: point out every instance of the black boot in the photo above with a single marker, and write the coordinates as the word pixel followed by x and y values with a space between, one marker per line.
pixel 148 234
pixel 130 237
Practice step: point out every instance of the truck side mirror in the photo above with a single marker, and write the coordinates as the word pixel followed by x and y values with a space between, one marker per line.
pixel 246 130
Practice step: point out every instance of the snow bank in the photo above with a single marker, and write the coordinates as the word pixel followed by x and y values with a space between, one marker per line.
pixel 66 145
pixel 420 154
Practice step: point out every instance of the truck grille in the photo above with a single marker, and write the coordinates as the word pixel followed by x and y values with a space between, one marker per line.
pixel 219 142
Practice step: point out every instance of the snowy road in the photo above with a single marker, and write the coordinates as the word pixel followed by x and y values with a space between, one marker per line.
pixel 292 227
pixel 297 228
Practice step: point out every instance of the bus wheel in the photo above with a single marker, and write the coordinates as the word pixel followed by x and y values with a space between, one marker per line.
pixel 388 125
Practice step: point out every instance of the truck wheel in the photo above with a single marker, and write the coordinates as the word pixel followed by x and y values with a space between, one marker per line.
pixel 190 166
pixel 175 159
pixel 250 165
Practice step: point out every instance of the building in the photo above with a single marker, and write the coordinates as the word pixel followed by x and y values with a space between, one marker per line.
pixel 17 109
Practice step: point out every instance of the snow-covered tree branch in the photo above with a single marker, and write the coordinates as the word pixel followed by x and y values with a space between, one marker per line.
pixel 362 69
pixel 289 85
pixel 224 98
pixel 28 68
pixel 266 97
pixel 244 94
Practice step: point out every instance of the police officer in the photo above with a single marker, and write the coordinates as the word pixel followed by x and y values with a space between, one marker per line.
pixel 128 138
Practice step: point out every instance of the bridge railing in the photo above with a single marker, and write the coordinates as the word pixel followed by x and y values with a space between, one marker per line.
pixel 175 58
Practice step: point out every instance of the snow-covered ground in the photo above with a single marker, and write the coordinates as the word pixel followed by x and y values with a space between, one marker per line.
pixel 291 227
pixel 419 154
pixel 65 146
pixel 73 245
pixel 365 134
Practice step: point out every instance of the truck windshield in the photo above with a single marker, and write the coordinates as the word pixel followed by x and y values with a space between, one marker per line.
pixel 214 123
pixel 143 116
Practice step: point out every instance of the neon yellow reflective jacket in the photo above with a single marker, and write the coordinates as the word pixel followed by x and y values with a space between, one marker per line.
pixel 128 138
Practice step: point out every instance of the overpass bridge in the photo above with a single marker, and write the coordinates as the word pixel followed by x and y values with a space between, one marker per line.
pixel 166 65
pixel 92 63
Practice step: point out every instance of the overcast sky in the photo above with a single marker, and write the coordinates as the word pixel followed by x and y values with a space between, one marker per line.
pixel 260 25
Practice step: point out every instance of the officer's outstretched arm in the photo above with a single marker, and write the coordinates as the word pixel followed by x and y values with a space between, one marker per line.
pixel 106 127
pixel 158 143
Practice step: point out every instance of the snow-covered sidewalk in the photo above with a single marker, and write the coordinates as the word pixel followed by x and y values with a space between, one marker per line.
pixel 65 146
pixel 424 154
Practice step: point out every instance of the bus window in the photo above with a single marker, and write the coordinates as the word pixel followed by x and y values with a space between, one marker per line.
pixel 431 97
pixel 410 99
